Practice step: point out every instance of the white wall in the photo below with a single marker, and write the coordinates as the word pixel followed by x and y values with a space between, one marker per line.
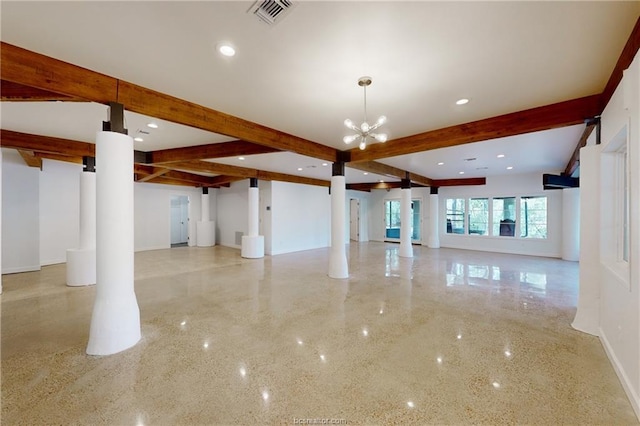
pixel 301 217
pixel 152 214
pixel 59 210
pixel 501 186
pixel 232 213
pixel 264 215
pixel 20 216
pixel 620 293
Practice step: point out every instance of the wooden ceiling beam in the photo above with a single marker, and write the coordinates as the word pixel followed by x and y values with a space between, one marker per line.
pixel 30 159
pixel 43 72
pixel 213 168
pixel 459 182
pixel 225 180
pixel 214 150
pixel 386 170
pixel 367 187
pixel 14 92
pixel 624 61
pixel 59 157
pixel 283 177
pixel 560 114
pixel 165 181
pixel 574 161
pixel 45 144
pixel 32 69
pixel 158 171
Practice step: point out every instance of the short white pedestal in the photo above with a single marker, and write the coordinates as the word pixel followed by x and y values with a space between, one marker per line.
pixel 81 267
pixel 252 247
pixel 206 233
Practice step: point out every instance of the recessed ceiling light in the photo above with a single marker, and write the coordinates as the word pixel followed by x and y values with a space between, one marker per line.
pixel 299 169
pixel 460 173
pixel 500 155
pixel 226 49
pixel 241 158
pixel 152 125
pixel 138 139
pixel 365 173
pixel 440 163
pixel 325 164
pixel 462 101
pixel 381 181
pixel 510 167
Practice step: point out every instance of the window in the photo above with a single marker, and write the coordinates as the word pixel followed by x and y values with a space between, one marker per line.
pixel 533 217
pixel 479 216
pixel 392 218
pixel 455 215
pixel 504 215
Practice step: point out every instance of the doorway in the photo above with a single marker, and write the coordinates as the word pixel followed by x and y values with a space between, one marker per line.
pixel 179 221
pixel 354 219
pixel 392 220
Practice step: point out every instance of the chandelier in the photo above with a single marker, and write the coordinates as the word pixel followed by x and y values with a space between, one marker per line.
pixel 365 130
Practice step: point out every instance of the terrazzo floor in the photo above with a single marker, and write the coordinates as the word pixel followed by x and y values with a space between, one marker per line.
pixel 448 337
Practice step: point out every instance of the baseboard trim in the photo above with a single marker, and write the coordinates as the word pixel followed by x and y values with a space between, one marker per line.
pixel 622 376
pixel 20 269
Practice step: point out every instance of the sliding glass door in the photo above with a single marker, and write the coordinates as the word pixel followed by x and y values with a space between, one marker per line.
pixel 392 220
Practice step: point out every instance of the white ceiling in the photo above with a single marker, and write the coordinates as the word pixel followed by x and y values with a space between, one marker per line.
pixel 300 76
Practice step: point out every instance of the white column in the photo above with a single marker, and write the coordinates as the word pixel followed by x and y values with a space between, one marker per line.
pixel 434 222
pixel 252 243
pixel 571 224
pixel 406 249
pixel 81 262
pixel 588 311
pixel 205 228
pixel 338 266
pixel 115 324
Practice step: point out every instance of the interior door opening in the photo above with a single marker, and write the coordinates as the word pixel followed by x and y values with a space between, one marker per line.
pixel 354 219
pixel 179 221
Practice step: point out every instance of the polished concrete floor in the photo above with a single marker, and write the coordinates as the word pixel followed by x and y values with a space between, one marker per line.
pixel 448 337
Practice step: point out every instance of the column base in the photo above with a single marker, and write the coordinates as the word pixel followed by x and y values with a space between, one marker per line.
pixel 252 247
pixel 115 325
pixel 338 266
pixel 206 233
pixel 433 243
pixel 405 250
pixel 81 267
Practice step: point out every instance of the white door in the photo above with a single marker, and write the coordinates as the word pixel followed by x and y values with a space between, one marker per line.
pixel 179 219
pixel 354 222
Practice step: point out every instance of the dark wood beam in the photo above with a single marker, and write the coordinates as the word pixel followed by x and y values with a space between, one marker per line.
pixel 214 150
pixel 166 181
pixel 225 180
pixel 32 69
pixel 153 172
pixel 45 144
pixel 624 61
pixel 547 117
pixel 14 92
pixel 574 161
pixel 459 182
pixel 386 170
pixel 30 159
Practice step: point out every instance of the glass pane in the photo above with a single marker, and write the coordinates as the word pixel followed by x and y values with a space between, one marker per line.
pixel 479 216
pixel 455 215
pixel 504 217
pixel 415 231
pixel 392 218
pixel 533 217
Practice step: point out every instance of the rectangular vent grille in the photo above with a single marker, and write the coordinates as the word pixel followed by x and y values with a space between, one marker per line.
pixel 269 11
pixel 239 235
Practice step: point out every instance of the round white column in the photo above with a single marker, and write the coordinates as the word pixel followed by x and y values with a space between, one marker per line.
pixel 253 244
pixel 434 221
pixel 0 220
pixel 115 324
pixel 338 266
pixel 406 249
pixel 205 228
pixel 81 262
pixel 571 224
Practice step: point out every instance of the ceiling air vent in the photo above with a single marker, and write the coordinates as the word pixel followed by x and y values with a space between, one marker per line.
pixel 271 11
